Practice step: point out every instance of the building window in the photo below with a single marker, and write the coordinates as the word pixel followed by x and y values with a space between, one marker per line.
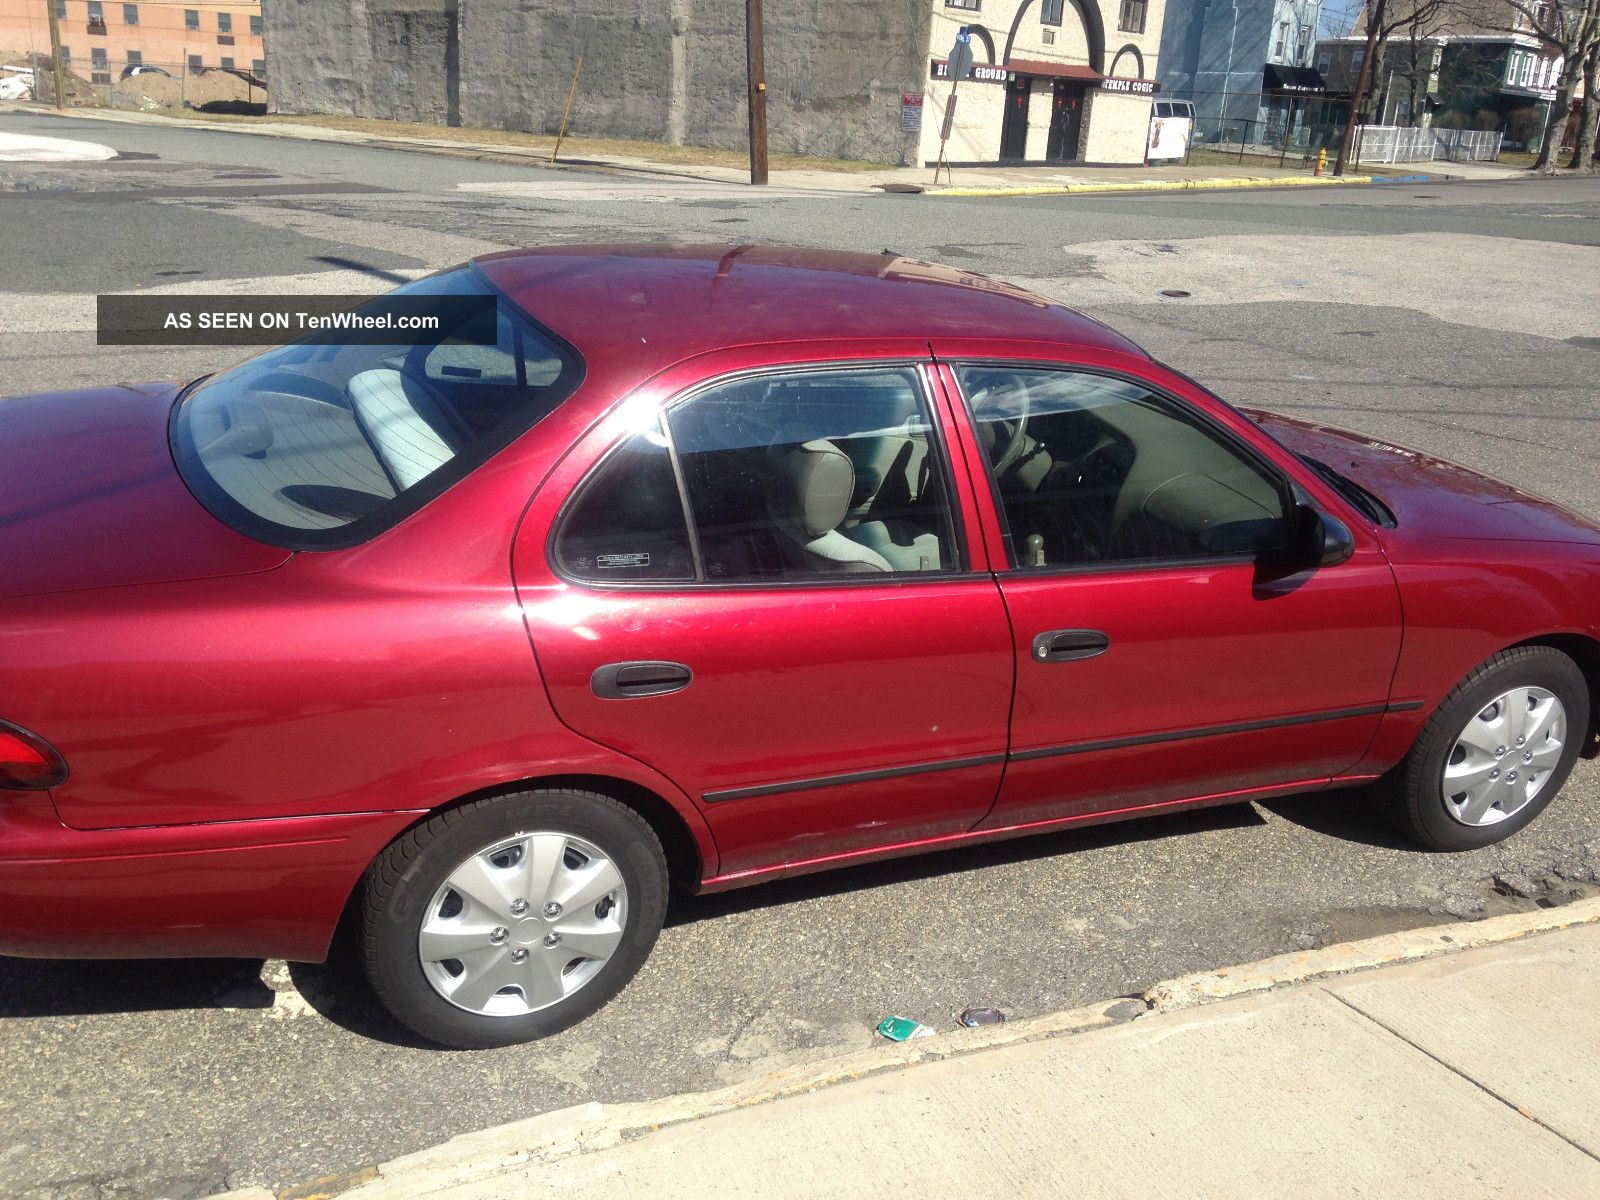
pixel 136 58
pixel 1131 19
pixel 969 5
pixel 66 56
pixel 258 67
pixel 1050 11
pixel 224 22
pixel 195 64
pixel 61 10
pixel 1280 48
pixel 130 14
pixel 191 18
pixel 227 64
pixel 1324 61
pixel 97 57
pixel 1358 57
pixel 97 17
pixel 255 26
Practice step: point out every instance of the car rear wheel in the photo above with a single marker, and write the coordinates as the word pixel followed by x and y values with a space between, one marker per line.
pixel 1494 754
pixel 512 918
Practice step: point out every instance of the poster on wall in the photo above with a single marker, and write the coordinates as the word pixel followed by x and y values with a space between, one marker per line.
pixel 911 112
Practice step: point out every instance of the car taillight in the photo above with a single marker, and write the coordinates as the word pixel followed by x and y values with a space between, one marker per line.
pixel 28 761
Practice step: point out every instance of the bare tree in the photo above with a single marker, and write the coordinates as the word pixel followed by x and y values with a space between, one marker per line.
pixel 1384 18
pixel 1571 28
pixel 1589 120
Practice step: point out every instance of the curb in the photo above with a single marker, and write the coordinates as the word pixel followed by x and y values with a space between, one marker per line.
pixel 475 1157
pixel 1158 185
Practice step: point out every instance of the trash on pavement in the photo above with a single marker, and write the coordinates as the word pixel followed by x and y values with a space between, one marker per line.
pixel 973 1017
pixel 900 1029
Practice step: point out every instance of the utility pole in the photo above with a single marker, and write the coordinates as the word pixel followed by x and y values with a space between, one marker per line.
pixel 55 53
pixel 1375 17
pixel 756 60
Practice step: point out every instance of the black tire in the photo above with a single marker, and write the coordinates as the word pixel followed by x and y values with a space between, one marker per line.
pixel 1411 796
pixel 402 883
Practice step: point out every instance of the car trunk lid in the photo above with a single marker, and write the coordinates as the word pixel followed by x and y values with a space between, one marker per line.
pixel 90 498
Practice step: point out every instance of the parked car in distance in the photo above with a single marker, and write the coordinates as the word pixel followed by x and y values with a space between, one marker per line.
pixel 720 565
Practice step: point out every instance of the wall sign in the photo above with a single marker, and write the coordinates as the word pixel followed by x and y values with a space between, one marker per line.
pixel 911 112
pixel 1131 87
pixel 981 72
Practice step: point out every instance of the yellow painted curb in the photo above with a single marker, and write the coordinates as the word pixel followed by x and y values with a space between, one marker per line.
pixel 1154 185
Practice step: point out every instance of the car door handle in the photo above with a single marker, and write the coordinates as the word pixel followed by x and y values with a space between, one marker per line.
pixel 626 680
pixel 1069 645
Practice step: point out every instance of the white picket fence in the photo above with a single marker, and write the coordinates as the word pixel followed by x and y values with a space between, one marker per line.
pixel 1397 143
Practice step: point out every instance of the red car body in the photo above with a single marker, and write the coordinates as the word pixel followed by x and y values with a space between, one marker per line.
pixel 246 727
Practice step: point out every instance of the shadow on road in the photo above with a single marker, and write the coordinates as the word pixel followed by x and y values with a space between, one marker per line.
pixel 1348 815
pixel 687 908
pixel 339 991
pixel 52 988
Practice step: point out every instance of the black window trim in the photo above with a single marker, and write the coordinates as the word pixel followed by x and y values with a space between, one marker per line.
pixel 1287 485
pixel 392 513
pixel 924 368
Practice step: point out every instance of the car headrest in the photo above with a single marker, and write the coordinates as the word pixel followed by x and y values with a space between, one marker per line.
pixel 812 486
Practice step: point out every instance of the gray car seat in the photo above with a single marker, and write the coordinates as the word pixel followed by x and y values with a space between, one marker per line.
pixel 812 485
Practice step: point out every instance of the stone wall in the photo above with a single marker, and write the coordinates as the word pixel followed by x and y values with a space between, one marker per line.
pixel 658 70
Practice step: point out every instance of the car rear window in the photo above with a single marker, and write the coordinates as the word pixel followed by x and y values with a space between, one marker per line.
pixel 321 444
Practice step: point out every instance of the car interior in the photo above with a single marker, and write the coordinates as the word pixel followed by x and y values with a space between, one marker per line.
pixel 1092 468
pixel 317 436
pixel 820 473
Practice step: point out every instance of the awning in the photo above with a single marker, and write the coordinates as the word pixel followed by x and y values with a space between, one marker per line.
pixel 1278 78
pixel 1033 66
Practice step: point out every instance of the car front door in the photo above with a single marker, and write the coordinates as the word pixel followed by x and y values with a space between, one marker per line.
pixel 762 591
pixel 1167 650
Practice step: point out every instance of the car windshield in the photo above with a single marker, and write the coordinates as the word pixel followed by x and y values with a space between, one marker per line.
pixel 324 443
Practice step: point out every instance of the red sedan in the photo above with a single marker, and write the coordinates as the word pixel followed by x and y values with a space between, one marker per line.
pixel 717 566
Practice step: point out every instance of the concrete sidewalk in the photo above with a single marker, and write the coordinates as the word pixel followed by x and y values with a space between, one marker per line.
pixel 1449 1073
pixel 965 181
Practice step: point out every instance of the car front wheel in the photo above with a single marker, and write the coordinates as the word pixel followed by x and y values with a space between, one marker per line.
pixel 1494 754
pixel 512 918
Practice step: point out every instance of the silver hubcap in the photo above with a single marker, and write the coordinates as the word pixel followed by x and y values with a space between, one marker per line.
pixel 1504 757
pixel 523 924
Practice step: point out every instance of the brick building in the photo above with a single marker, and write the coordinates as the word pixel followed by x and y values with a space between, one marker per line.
pixel 99 37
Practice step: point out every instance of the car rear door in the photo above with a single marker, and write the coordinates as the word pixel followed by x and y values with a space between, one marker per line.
pixel 761 589
pixel 1160 658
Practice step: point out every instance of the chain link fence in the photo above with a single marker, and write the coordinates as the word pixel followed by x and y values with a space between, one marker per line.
pixel 140 85
pixel 1284 129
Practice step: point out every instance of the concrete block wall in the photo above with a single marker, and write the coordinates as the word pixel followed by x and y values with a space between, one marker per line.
pixel 658 70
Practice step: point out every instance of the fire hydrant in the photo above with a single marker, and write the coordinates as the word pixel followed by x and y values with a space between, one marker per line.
pixel 1322 160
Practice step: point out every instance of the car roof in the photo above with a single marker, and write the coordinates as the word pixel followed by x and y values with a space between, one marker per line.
pixel 655 305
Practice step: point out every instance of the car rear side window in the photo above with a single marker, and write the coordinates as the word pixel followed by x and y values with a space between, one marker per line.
pixel 790 476
pixel 321 444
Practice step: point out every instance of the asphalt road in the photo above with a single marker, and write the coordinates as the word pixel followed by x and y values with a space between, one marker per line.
pixel 1461 318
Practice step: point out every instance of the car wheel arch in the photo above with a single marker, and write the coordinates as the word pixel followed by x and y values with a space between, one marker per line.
pixel 1585 652
pixel 686 854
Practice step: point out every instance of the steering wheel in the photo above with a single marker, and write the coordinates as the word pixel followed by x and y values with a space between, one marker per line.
pixel 1012 426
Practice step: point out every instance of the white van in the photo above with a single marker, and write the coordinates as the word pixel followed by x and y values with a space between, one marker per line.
pixel 1171 127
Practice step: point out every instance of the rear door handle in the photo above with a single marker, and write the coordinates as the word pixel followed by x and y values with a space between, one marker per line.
pixel 627 680
pixel 1069 645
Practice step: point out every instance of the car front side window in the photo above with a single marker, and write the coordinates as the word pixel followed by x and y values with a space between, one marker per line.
pixel 1091 468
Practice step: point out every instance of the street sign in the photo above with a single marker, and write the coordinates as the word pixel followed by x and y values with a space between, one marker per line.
pixel 960 60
